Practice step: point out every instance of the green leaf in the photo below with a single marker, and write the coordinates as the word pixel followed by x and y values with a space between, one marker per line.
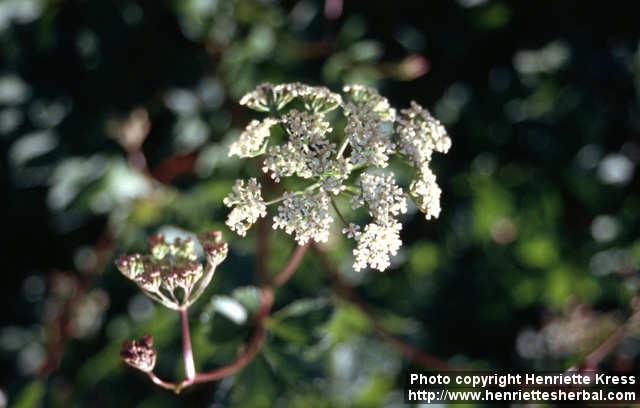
pixel 230 308
pixel 248 296
pixel 299 308
pixel 346 323
pixel 374 392
pixel 287 331
pixel 31 395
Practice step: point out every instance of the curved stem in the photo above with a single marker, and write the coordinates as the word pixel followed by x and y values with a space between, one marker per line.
pixel 266 301
pixel 252 348
pixel 408 350
pixel 306 189
pixel 593 359
pixel 337 210
pixel 164 384
pixel 290 267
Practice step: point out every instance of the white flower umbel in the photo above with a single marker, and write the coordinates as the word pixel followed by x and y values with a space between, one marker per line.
pixel 370 139
pixel 369 128
pixel 420 134
pixel 375 246
pixel 307 154
pixel 306 216
pixel 323 164
pixel 384 199
pixel 248 206
pixel 267 95
pixel 337 172
pixel 426 193
pixel 252 141
pixel 317 99
pixel 365 96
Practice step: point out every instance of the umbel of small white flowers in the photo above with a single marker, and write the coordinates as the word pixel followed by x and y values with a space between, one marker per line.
pixel 172 274
pixel 353 165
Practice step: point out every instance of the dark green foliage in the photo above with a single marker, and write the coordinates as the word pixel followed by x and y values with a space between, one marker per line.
pixel 541 210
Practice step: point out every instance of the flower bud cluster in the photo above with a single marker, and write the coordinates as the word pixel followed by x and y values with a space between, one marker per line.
pixel 351 164
pixel 140 354
pixel 171 273
pixel 306 216
pixel 248 205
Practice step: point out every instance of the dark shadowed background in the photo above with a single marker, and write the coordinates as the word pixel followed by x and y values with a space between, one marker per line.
pixel 532 264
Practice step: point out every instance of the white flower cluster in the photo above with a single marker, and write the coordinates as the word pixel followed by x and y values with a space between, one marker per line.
pixel 247 204
pixel 383 197
pixel 420 134
pixel 306 148
pixel 375 246
pixel 267 97
pixel 381 238
pixel 369 126
pixel 251 141
pixel 305 215
pixel 426 193
pixel 307 153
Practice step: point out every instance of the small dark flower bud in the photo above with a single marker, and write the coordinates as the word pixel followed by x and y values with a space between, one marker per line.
pixel 147 340
pixel 139 354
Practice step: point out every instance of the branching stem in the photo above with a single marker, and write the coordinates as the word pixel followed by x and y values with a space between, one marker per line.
pixel 266 301
pixel 410 351
pixel 282 198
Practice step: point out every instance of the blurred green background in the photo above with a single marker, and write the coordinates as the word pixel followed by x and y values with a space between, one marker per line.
pixel 533 262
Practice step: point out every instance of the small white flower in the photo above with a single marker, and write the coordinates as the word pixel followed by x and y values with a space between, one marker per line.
pixel 375 245
pixel 426 192
pixel 307 154
pixel 368 97
pixel 369 126
pixel 420 134
pixel 370 139
pixel 252 140
pixel 336 174
pixel 247 204
pixel 352 231
pixel 266 95
pixel 284 161
pixel 305 125
pixel 318 99
pixel 384 199
pixel 306 216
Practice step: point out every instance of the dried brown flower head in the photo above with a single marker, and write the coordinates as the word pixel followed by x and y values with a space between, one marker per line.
pixel 172 274
pixel 140 353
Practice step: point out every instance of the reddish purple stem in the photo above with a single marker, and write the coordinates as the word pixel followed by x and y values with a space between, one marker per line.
pixel 189 366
